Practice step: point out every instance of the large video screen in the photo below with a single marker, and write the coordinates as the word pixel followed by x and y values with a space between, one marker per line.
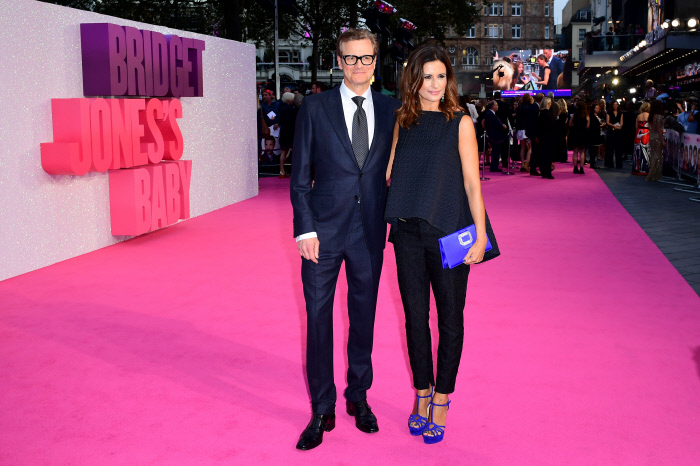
pixel 522 71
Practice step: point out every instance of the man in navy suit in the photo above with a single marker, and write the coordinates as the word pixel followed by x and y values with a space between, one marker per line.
pixel 556 66
pixel 338 190
pixel 496 132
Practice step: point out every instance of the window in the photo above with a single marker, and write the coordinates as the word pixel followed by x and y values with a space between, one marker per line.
pixel 471 57
pixel 546 31
pixel 471 32
pixel 515 9
pixel 581 34
pixel 453 60
pixel 493 30
pixel 284 56
pixel 494 50
pixel 580 54
pixel 546 9
pixel 488 61
pixel 495 9
pixel 515 31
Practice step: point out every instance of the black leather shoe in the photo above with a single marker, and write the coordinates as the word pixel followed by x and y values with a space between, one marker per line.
pixel 365 420
pixel 313 434
pixel 535 173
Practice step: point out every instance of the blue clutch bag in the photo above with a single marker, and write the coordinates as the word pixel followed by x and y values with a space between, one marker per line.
pixel 454 247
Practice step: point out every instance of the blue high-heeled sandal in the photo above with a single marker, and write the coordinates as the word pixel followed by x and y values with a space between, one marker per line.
pixel 437 431
pixel 417 418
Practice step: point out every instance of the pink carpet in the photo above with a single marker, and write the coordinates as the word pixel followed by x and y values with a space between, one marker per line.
pixel 185 346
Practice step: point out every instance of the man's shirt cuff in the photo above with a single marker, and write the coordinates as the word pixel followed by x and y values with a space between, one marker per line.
pixel 307 236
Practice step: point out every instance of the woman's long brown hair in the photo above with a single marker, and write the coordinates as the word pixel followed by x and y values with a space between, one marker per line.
pixel 412 81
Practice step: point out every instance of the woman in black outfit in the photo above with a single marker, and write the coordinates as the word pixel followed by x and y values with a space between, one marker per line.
pixel 435 191
pixel 615 119
pixel 629 127
pixel 578 136
pixel 595 137
pixel 546 137
pixel 561 124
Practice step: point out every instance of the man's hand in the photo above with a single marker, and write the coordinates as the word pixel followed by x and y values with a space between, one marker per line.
pixel 308 248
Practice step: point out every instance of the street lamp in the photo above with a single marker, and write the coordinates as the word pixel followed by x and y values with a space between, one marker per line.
pixel 692 22
pixel 675 23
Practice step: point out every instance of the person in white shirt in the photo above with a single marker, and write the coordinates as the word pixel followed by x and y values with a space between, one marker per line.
pixel 338 191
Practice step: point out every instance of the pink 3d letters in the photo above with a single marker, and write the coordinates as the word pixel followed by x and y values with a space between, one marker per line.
pixel 138 140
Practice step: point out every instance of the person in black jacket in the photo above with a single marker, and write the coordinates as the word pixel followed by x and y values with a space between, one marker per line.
pixel 546 138
pixel 495 132
pixel 504 113
pixel 521 119
pixel 531 132
pixel 287 120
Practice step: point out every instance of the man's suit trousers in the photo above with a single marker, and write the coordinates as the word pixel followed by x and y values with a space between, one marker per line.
pixel 363 271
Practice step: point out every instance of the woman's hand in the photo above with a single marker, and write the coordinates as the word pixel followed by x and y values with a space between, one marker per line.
pixel 476 252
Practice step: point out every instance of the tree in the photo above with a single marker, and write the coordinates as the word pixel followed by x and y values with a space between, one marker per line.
pixel 319 21
pixel 433 18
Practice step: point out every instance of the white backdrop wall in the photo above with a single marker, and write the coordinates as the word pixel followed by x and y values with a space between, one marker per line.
pixel 45 219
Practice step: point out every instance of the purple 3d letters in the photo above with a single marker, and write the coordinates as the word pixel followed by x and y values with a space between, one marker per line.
pixel 119 61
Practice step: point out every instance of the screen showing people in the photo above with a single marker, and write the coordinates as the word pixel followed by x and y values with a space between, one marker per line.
pixel 526 71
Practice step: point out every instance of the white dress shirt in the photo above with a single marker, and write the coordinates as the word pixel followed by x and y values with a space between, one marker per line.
pixel 349 108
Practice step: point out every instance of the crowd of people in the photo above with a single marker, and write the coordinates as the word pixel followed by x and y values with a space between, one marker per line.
pixel 534 131
pixel 539 130
pixel 619 37
pixel 276 122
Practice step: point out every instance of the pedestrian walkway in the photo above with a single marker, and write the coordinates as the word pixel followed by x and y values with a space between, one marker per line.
pixel 670 219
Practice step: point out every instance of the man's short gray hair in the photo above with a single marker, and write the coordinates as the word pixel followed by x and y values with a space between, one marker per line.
pixel 288 98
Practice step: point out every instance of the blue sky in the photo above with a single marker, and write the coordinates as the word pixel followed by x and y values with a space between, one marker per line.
pixel 558 6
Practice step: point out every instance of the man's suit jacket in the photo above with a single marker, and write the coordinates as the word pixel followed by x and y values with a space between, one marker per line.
pixel 504 111
pixel 556 67
pixel 322 144
pixel 494 127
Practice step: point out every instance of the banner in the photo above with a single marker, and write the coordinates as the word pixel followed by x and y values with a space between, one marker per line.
pixel 683 150
pixel 521 70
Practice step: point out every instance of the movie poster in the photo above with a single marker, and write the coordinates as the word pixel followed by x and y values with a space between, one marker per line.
pixel 688 155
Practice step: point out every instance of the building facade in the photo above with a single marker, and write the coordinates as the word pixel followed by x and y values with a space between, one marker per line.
pixel 503 26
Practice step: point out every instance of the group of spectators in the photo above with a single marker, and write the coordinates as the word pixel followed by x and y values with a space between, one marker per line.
pixel 619 37
pixel 276 121
pixel 536 130
pixel 539 131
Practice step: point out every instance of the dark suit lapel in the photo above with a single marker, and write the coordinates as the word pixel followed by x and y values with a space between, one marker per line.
pixel 334 111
